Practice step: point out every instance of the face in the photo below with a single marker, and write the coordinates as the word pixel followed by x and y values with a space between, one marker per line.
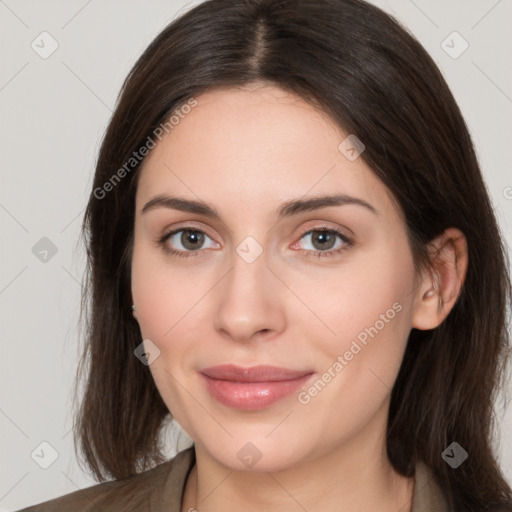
pixel 325 290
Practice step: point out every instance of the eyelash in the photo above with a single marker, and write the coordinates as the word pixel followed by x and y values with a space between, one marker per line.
pixel 348 243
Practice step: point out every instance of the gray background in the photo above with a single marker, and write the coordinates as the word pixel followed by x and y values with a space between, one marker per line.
pixel 54 111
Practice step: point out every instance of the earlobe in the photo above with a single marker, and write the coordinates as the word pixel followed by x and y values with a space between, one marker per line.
pixel 439 290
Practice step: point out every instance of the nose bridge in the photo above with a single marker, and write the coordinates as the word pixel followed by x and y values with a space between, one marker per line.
pixel 249 266
pixel 248 302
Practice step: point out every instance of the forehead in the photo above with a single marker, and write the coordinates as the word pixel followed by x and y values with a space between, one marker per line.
pixel 256 144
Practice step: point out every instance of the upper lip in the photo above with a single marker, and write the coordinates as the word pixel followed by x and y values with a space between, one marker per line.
pixel 260 373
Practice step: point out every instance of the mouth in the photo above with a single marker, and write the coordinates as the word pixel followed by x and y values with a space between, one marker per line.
pixel 252 388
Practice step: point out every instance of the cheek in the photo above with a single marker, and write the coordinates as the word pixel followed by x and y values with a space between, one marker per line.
pixel 370 292
pixel 168 306
pixel 163 294
pixel 368 310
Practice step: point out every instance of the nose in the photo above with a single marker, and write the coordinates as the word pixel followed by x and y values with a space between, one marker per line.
pixel 250 301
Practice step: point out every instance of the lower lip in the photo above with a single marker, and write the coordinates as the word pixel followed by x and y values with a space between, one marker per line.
pixel 251 396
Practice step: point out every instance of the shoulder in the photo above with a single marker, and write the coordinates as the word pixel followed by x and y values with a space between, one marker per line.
pixel 162 484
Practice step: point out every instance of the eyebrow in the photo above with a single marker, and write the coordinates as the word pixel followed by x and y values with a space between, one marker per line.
pixel 287 209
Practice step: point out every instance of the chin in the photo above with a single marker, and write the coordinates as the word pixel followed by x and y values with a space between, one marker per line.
pixel 259 455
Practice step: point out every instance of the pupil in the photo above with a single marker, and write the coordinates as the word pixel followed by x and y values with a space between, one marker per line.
pixel 322 237
pixel 191 239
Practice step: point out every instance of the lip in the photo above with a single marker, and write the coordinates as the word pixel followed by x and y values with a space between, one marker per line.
pixel 252 388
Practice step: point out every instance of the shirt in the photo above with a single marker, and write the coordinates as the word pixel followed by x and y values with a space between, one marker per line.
pixel 161 488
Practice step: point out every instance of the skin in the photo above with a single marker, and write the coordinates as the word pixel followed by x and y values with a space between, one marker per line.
pixel 246 151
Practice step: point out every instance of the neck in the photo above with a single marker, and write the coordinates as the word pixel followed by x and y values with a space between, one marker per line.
pixel 354 476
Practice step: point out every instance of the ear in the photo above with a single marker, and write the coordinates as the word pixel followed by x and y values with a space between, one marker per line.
pixel 440 286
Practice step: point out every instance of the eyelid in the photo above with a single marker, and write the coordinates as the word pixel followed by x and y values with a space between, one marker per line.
pixel 188 225
pixel 318 225
pixel 322 225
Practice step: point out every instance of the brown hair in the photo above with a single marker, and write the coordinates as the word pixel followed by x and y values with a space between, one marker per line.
pixel 375 80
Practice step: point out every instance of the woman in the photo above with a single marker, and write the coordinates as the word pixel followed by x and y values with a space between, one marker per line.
pixel 292 251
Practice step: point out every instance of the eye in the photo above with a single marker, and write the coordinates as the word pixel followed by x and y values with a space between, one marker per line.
pixel 323 242
pixel 190 239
